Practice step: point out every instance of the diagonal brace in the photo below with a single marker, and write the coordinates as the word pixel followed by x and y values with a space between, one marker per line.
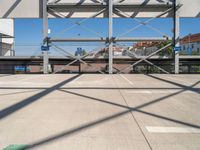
pixel 135 56
pixel 75 58
pixel 149 56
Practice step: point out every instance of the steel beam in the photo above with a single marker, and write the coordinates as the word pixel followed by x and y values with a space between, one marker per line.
pixel 1 49
pixel 110 36
pixel 176 42
pixel 97 6
pixel 78 40
pixel 122 39
pixel 138 39
pixel 45 36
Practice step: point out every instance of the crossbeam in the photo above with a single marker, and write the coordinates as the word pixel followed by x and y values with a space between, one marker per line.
pixel 122 39
pixel 92 6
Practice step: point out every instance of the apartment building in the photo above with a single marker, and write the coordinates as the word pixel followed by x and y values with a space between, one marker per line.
pixel 190 44
pixel 6 37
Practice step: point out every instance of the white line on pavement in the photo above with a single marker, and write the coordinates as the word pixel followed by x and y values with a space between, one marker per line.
pixel 77 78
pixel 126 79
pixel 138 91
pixel 152 129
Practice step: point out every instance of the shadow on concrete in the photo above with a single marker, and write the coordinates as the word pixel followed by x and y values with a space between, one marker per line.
pixel 139 107
pixel 8 111
pixel 78 129
pixel 16 3
pixel 189 88
pixel 106 88
pixel 15 107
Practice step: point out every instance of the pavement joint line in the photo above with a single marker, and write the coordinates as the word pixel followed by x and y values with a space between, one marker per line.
pixel 162 129
pixel 126 103
pixel 126 79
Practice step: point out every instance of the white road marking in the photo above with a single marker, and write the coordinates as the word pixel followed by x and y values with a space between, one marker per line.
pixel 126 79
pixel 157 91
pixel 152 129
pixel 77 78
pixel 138 91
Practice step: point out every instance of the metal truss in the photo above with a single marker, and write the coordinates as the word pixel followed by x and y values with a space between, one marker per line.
pixel 145 59
pixel 76 58
pixel 121 13
pixel 109 9
pixel 67 54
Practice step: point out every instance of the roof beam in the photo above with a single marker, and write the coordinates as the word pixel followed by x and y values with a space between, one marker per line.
pixel 129 39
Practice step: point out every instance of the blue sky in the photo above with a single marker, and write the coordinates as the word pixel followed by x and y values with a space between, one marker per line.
pixel 28 32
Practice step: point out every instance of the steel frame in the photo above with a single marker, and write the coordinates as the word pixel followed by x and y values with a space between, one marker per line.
pixel 1 44
pixel 110 8
pixel 74 58
pixel 147 61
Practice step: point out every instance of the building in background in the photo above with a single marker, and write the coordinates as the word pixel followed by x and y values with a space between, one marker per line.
pixel 190 44
pixel 117 51
pixel 7 44
pixel 7 37
pixel 145 48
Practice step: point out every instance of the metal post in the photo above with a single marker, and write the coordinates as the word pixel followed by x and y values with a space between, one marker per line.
pixel 1 49
pixel 45 36
pixel 176 41
pixel 110 36
pixel 79 67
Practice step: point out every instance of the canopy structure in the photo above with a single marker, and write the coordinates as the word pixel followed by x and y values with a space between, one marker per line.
pixel 85 8
pixel 110 9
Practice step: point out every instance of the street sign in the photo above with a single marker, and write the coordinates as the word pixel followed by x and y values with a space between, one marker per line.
pixel 177 48
pixel 79 50
pixel 45 48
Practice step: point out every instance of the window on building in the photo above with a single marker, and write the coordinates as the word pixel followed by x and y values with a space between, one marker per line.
pixel 198 50
pixel 184 47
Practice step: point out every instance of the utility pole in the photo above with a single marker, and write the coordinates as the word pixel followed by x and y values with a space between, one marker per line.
pixel 45 38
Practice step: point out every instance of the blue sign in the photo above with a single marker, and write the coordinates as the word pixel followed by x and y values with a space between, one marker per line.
pixel 21 68
pixel 79 50
pixel 177 48
pixel 45 48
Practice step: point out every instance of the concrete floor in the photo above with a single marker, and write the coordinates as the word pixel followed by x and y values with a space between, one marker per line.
pixel 100 112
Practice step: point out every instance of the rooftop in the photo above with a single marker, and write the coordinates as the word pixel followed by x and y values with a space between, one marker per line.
pixel 191 38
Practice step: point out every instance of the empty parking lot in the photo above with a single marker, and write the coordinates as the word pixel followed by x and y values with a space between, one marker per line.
pixel 100 112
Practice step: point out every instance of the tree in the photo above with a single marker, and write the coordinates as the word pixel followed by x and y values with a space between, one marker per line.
pixel 168 51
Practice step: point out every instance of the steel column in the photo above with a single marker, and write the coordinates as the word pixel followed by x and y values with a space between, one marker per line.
pixel 1 49
pixel 110 36
pixel 176 42
pixel 45 37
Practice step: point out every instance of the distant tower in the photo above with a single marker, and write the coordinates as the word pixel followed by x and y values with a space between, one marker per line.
pixel 7 37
